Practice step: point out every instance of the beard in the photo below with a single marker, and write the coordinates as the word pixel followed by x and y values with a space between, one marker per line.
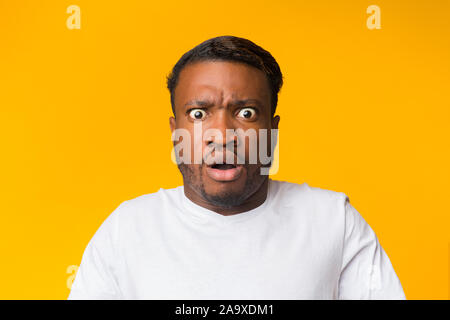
pixel 193 176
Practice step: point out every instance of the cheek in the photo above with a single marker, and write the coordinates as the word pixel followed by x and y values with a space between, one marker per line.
pixel 252 169
pixel 194 173
pixel 198 147
pixel 253 151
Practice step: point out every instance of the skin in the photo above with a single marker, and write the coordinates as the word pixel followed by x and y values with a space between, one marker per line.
pixel 215 87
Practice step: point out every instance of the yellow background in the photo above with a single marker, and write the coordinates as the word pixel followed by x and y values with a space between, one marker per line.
pixel 84 120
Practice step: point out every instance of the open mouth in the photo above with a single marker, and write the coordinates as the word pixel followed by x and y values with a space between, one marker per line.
pixel 224 172
pixel 223 166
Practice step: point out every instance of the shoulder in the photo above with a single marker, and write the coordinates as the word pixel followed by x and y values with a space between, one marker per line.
pixel 149 204
pixel 293 193
pixel 132 216
pixel 317 207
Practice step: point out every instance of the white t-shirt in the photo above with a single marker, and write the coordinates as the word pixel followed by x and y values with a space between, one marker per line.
pixel 303 242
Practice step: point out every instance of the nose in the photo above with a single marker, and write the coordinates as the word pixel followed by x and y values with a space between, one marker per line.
pixel 221 122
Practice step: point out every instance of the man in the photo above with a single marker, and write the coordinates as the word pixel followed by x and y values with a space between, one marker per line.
pixel 230 232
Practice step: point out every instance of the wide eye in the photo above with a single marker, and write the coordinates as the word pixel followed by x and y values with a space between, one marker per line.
pixel 197 114
pixel 247 113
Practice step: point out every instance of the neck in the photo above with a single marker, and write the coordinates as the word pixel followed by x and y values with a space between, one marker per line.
pixel 255 200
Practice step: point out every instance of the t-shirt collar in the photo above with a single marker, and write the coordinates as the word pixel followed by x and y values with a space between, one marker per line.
pixel 207 215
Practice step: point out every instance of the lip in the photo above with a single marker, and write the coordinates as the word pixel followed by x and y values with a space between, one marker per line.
pixel 224 175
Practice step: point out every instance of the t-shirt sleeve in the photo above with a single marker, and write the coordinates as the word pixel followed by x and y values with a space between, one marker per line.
pixel 366 272
pixel 96 277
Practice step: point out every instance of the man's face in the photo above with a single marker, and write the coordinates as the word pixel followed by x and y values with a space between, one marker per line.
pixel 222 95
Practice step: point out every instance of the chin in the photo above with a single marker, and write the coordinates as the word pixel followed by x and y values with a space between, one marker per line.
pixel 226 198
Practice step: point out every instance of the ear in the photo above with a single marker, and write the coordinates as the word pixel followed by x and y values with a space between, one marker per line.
pixel 275 121
pixel 172 124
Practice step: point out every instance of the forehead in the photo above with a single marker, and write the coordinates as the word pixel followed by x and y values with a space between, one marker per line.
pixel 221 80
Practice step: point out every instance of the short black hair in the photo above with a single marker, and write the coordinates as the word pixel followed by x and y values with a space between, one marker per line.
pixel 230 48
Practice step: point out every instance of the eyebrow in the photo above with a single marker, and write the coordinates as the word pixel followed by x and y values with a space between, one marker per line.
pixel 235 102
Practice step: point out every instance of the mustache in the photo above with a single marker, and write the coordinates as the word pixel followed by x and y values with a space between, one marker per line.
pixel 230 152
